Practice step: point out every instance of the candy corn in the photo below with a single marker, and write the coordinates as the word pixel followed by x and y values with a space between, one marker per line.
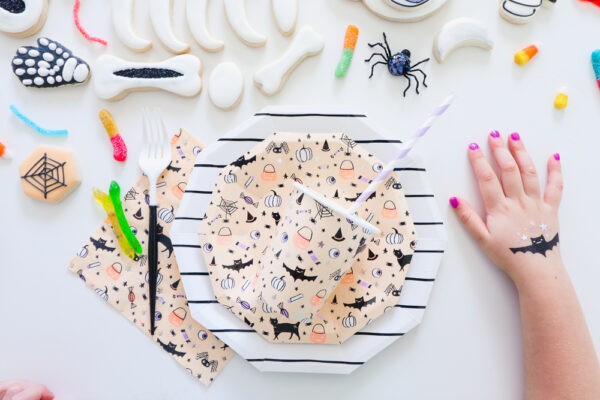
pixel 562 98
pixel 4 153
pixel 596 65
pixel 349 45
pixel 522 57
pixel 119 147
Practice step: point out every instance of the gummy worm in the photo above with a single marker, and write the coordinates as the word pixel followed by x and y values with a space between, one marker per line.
pixel 119 147
pixel 596 65
pixel 115 196
pixel 349 45
pixel 107 204
pixel 86 35
pixel 36 127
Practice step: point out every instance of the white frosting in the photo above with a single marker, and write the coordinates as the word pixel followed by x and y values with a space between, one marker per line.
pixel 461 32
pixel 519 12
pixel 122 17
pixel 236 15
pixel 25 22
pixel 270 78
pixel 109 86
pixel 81 73
pixel 285 13
pixel 383 9
pixel 196 11
pixel 226 85
pixel 68 69
pixel 160 14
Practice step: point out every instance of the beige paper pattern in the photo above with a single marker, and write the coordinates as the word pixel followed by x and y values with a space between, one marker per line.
pixel 122 282
pixel 241 221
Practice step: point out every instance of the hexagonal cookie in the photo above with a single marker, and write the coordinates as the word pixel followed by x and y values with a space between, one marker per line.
pixel 49 174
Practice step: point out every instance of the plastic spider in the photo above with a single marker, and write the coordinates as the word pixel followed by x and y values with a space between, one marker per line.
pixel 398 64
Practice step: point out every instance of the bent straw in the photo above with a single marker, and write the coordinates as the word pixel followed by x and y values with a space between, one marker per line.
pixel 408 145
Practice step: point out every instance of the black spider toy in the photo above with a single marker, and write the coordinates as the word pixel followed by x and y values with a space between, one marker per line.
pixel 398 64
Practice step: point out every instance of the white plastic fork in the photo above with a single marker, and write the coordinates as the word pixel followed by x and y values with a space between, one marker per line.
pixel 154 158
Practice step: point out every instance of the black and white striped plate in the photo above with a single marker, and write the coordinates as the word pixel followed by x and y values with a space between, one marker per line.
pixel 314 358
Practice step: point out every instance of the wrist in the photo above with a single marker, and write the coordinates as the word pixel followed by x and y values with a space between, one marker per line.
pixel 533 276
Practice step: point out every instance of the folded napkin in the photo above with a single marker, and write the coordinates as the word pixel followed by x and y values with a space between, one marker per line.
pixel 122 282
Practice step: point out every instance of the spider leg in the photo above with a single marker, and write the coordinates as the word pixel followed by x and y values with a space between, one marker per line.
pixel 376 54
pixel 373 67
pixel 416 79
pixel 424 74
pixel 408 86
pixel 371 45
pixel 389 51
pixel 420 62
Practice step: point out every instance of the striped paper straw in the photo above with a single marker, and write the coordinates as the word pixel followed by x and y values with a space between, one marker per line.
pixel 408 145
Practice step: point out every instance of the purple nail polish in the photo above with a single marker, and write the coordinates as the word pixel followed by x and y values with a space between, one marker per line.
pixel 515 136
pixel 454 202
pixel 495 134
pixel 557 156
pixel 473 146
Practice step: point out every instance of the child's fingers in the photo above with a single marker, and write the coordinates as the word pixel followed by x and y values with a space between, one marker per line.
pixel 554 186
pixel 509 170
pixel 470 219
pixel 30 393
pixel 489 185
pixel 531 182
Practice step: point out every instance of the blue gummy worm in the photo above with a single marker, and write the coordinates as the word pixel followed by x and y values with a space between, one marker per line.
pixel 596 62
pixel 36 127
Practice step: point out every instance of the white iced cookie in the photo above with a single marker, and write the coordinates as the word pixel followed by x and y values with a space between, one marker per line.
pixel 22 18
pixel 226 86
pixel 404 10
pixel 461 32
pixel 160 15
pixel 236 15
pixel 122 17
pixel 285 13
pixel 522 11
pixel 270 78
pixel 196 11
pixel 115 78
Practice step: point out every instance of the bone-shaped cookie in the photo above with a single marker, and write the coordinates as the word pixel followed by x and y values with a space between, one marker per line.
pixel 22 18
pixel 270 78
pixel 114 78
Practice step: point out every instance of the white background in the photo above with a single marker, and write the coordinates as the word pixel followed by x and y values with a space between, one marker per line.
pixel 55 330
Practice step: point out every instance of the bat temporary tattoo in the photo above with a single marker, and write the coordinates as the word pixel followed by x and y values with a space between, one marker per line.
pixel 100 244
pixel 171 348
pixel 360 302
pixel 240 162
pixel 299 274
pixel 238 265
pixel 539 245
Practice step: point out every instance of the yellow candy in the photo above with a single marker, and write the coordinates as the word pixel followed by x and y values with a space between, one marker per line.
pixel 107 204
pixel 522 57
pixel 562 98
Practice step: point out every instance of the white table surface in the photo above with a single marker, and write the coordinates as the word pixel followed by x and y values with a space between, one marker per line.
pixel 55 330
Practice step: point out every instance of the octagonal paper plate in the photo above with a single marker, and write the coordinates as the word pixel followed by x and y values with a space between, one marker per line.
pixel 340 358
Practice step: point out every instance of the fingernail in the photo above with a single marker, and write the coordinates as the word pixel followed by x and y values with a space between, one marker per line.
pixel 454 202
pixel 557 156
pixel 473 146
pixel 495 134
pixel 515 136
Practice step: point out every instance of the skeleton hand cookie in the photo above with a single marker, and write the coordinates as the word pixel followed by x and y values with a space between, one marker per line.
pixel 404 10
pixel 23 17
pixel 50 64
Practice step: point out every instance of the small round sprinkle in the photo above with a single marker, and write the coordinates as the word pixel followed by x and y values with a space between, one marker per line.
pixel 27 82
pixel 19 71
pixel 60 62
pixel 43 64
pixel 66 55
pixel 22 50
pixel 38 81
pixel 18 61
pixel 30 62
pixel 31 71
pixel 59 50
pixel 50 80
pixel 43 72
pixel 52 46
pixel 59 79
pixel 44 42
pixel 48 57
pixel 34 53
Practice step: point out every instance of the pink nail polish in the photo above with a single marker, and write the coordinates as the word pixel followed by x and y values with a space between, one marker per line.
pixel 557 156
pixel 473 146
pixel 515 136
pixel 454 202
pixel 495 134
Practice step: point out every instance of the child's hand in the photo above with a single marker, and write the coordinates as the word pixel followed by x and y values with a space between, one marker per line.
pixel 23 390
pixel 520 231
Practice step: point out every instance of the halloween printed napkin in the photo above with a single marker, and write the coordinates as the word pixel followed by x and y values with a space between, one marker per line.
pixel 123 283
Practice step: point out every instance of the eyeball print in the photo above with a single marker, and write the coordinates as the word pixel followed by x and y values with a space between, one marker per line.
pixel 208 247
pixel 197 150
pixel 133 230
pixel 330 180
pixel 334 253
pixel 158 315
pixel 378 167
pixel 202 335
pixel 413 244
pixel 284 237
pixel 377 272
pixel 255 235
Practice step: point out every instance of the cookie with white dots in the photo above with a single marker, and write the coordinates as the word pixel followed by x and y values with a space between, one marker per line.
pixel 48 65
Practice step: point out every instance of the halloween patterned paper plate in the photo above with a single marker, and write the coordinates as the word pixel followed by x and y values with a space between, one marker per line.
pixel 248 206
pixel 345 357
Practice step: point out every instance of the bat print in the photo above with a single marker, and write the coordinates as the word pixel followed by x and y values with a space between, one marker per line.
pixel 539 245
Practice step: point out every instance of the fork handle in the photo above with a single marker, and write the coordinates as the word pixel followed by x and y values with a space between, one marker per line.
pixel 152 265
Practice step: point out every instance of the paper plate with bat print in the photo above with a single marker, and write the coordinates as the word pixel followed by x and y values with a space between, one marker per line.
pixel 290 357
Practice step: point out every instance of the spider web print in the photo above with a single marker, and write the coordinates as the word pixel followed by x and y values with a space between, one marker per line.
pixel 46 175
pixel 350 144
pixel 322 211
pixel 228 207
